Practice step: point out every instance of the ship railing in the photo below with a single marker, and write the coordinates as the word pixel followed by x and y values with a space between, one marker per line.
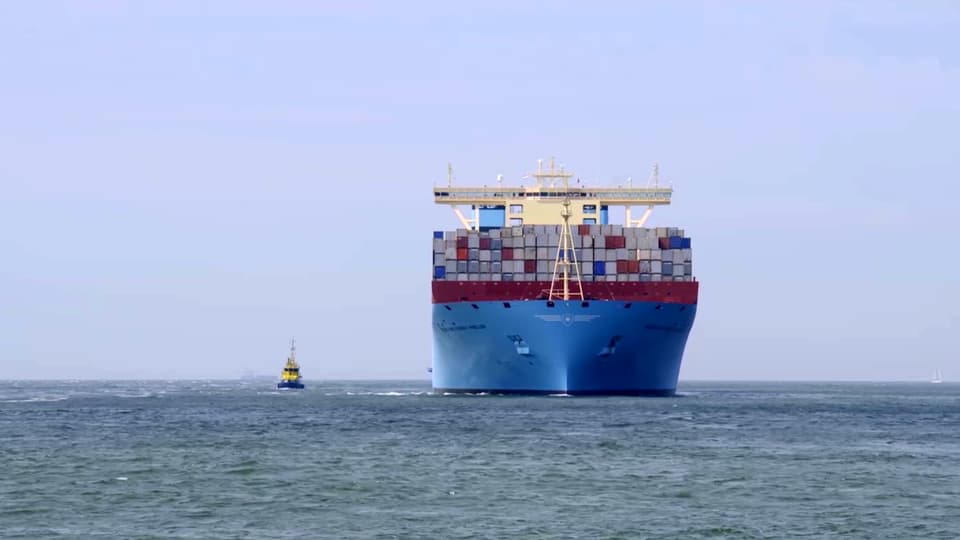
pixel 468 195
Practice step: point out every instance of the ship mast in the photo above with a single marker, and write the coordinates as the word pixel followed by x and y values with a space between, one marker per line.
pixel 565 251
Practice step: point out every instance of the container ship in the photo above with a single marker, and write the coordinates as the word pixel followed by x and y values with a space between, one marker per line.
pixel 538 293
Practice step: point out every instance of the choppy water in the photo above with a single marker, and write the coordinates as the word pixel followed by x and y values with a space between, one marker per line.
pixel 237 459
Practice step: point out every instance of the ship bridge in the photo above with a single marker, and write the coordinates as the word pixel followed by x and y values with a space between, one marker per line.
pixel 503 206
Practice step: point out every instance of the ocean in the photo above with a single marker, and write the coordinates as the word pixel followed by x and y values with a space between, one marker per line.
pixel 238 459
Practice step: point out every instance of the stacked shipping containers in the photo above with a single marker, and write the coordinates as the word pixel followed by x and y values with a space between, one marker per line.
pixel 529 253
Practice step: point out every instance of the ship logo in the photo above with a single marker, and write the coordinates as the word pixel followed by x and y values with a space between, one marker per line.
pixel 567 319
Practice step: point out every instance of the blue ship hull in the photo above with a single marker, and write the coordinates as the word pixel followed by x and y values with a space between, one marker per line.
pixel 293 385
pixel 596 348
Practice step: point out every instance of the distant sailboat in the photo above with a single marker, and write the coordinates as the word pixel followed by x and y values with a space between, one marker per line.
pixel 937 377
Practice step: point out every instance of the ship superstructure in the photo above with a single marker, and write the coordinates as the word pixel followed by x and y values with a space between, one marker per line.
pixel 539 293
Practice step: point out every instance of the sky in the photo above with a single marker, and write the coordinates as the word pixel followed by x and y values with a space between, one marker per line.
pixel 185 185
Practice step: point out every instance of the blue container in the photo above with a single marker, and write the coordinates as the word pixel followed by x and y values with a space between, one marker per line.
pixel 599 268
pixel 461 267
pixel 496 243
pixel 685 244
pixel 439 272
pixel 438 235
pixel 676 242
pixel 667 268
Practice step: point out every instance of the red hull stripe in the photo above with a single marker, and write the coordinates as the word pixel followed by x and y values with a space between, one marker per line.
pixel 667 292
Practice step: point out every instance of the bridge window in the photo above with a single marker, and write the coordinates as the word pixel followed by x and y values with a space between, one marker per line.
pixel 516 208
pixel 589 221
pixel 516 222
pixel 589 209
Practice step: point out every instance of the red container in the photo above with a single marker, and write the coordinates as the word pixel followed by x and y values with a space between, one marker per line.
pixel 615 242
pixel 633 267
pixel 484 243
pixel 463 253
pixel 622 267
pixel 506 254
pixel 530 267
pixel 462 242
pixel 664 243
pixel 584 230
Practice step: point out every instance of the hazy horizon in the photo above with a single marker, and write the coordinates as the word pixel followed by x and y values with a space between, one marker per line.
pixel 187 185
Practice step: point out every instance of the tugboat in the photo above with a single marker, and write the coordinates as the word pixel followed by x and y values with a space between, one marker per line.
pixel 290 378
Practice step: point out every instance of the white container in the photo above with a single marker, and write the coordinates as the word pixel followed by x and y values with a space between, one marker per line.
pixel 654 254
pixel 543 267
pixel 656 277
pixel 656 267
pixel 609 255
pixel 600 242
pixel 587 255
pixel 439 260
pixel 588 242
pixel 496 277
pixel 621 254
